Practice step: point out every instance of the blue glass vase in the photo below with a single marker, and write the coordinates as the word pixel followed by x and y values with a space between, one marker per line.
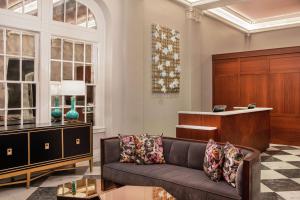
pixel 56 113
pixel 72 114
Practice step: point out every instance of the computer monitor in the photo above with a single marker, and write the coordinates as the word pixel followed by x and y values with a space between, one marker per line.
pixel 219 108
pixel 252 106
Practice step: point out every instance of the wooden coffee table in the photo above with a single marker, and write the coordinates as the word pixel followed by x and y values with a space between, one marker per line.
pixel 86 189
pixel 90 189
pixel 137 193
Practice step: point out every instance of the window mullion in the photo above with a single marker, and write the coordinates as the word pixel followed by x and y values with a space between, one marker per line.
pixel 84 62
pixel 22 99
pixel 73 61
pixel 76 12
pixel 5 83
pixel 6 104
pixel 61 60
pixel 21 68
pixel 85 105
pixel 65 9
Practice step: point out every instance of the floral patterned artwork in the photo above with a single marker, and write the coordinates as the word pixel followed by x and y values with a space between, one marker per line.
pixel 166 60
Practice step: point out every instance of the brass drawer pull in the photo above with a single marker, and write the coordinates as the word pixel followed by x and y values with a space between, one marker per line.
pixel 9 151
pixel 77 141
pixel 47 146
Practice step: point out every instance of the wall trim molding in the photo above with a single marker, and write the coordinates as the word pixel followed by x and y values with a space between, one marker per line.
pixel 194 14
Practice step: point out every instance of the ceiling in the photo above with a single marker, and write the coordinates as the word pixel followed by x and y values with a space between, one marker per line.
pixel 251 15
pixel 259 10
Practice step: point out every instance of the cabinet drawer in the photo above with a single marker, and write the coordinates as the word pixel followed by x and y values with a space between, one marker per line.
pixel 76 141
pixel 45 146
pixel 13 150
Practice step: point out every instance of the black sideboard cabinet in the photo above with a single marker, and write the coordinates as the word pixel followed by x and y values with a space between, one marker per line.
pixel 42 149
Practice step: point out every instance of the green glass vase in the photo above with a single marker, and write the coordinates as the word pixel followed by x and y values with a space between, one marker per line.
pixel 56 113
pixel 72 114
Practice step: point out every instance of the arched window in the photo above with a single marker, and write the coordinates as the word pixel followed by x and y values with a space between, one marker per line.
pixel 46 48
pixel 29 7
pixel 73 12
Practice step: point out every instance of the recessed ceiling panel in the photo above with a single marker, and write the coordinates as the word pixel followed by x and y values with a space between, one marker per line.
pixel 257 10
pixel 196 2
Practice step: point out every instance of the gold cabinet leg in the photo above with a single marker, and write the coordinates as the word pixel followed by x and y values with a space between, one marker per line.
pixel 28 177
pixel 91 164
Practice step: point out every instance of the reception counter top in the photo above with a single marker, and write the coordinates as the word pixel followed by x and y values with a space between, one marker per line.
pixel 241 126
pixel 237 111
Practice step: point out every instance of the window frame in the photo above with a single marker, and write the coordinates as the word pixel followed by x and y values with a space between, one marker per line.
pixel 23 6
pixel 46 27
pixel 88 12
pixel 21 82
pixel 93 63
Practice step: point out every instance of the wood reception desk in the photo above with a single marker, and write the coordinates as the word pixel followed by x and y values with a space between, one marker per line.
pixel 247 127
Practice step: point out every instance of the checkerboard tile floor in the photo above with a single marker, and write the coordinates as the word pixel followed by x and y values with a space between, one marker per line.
pixel 280 173
pixel 280 177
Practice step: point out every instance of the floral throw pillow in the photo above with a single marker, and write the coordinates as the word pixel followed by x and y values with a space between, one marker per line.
pixel 233 158
pixel 149 150
pixel 213 160
pixel 154 150
pixel 140 148
pixel 128 149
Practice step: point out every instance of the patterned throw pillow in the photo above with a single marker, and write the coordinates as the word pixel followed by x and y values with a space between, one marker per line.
pixel 128 149
pixel 233 158
pixel 154 150
pixel 149 150
pixel 140 148
pixel 213 160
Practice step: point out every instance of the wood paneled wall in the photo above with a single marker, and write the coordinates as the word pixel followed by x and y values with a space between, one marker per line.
pixel 269 78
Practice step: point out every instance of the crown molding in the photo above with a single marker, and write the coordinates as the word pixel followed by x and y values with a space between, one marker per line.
pixel 194 14
pixel 196 3
pixel 247 26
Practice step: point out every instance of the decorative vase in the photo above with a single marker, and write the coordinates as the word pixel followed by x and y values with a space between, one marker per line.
pixel 56 113
pixel 72 114
pixel 73 188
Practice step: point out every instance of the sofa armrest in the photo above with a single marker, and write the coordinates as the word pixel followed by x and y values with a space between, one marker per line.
pixel 109 153
pixel 110 150
pixel 248 177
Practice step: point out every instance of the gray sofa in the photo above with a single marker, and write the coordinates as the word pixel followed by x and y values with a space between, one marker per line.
pixel 182 175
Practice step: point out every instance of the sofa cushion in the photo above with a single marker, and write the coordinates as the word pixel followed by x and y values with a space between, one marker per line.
pixel 213 160
pixel 178 153
pixel 167 144
pixel 232 160
pixel 127 147
pixel 196 154
pixel 154 150
pixel 140 148
pixel 171 177
pixel 149 149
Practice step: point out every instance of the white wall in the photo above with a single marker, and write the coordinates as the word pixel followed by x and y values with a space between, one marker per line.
pixel 160 110
pixel 131 107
